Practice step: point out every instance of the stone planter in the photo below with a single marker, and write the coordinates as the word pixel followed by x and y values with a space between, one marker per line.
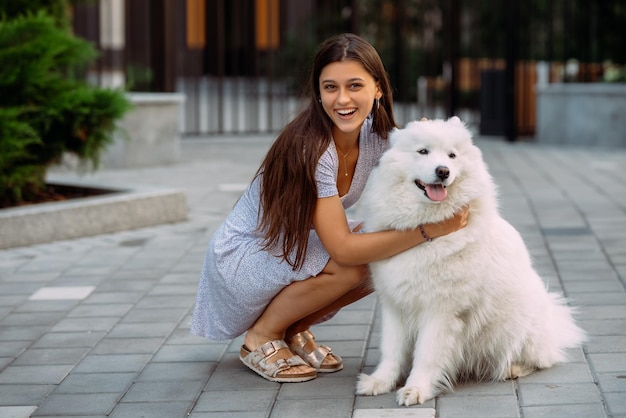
pixel 586 114
pixel 149 134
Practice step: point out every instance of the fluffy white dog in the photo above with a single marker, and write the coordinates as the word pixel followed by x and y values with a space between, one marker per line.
pixel 468 305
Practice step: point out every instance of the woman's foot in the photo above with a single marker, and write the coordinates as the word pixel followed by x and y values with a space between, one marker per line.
pixel 274 360
pixel 317 356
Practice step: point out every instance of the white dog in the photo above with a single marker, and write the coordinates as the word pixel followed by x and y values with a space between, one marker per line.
pixel 468 305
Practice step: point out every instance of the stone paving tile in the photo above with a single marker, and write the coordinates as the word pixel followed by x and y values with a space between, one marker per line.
pixel 565 411
pixel 486 406
pixel 152 409
pixel 558 394
pixel 50 356
pixel 128 346
pixel 155 372
pixel 24 393
pixel 112 363
pixel 70 339
pixel 78 404
pixel 16 411
pixel 96 383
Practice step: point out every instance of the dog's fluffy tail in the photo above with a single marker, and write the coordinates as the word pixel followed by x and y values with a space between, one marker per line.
pixel 560 333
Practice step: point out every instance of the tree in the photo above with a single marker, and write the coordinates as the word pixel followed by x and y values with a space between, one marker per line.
pixel 46 106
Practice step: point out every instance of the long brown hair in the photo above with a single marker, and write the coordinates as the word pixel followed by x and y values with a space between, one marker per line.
pixel 288 185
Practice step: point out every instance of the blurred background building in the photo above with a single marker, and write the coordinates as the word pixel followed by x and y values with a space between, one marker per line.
pixel 241 63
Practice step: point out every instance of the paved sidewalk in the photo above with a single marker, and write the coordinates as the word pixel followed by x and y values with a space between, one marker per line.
pixel 98 326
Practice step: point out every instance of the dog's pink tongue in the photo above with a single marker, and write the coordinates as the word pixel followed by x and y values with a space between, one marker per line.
pixel 436 192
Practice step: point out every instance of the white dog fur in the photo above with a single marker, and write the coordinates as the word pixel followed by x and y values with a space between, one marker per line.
pixel 468 305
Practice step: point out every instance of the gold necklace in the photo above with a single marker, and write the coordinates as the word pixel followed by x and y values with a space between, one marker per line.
pixel 345 156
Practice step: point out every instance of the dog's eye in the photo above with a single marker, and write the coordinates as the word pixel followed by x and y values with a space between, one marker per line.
pixel 423 151
pixel 452 155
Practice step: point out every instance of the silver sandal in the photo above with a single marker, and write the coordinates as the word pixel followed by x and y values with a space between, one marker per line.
pixel 257 361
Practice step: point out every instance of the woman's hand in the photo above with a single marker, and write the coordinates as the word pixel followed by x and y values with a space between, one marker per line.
pixel 458 221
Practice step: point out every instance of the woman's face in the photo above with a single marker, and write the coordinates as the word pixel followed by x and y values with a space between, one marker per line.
pixel 347 92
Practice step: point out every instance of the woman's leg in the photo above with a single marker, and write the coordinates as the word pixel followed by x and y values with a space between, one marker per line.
pixel 304 302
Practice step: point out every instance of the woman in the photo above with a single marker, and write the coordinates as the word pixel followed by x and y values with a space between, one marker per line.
pixel 286 257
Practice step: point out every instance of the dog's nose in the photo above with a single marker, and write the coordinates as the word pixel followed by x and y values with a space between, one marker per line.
pixel 442 172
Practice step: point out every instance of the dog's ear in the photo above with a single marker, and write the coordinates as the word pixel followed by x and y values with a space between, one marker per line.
pixel 455 119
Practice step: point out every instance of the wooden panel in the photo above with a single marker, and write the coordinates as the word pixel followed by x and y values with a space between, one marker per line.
pixel 196 24
pixel 267 24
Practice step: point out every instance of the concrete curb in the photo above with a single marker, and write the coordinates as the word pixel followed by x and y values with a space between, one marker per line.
pixel 119 211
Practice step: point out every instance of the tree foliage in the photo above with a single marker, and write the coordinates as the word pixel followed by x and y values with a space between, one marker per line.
pixel 46 107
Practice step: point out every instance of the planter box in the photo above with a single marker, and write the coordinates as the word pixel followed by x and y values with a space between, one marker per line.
pixel 149 133
pixel 589 114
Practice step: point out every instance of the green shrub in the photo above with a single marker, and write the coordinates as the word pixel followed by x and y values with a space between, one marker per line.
pixel 46 107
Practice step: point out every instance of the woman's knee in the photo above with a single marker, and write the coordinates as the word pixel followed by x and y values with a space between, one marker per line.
pixel 352 276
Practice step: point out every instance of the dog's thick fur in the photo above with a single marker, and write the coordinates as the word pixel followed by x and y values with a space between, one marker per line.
pixel 468 305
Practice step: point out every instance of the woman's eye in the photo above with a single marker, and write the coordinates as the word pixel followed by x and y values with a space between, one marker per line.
pixel 355 86
pixel 423 151
pixel 329 87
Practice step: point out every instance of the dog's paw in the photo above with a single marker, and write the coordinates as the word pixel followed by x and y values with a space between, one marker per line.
pixel 408 396
pixel 519 370
pixel 368 385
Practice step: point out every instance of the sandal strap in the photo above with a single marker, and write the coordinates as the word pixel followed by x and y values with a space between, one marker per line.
pixel 314 358
pixel 259 358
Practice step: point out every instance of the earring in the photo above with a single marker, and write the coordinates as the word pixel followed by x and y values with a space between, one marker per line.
pixel 319 100
pixel 377 103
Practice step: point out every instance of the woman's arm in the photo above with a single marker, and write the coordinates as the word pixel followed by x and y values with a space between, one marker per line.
pixel 347 248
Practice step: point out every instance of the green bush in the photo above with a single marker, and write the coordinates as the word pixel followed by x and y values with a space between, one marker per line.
pixel 46 107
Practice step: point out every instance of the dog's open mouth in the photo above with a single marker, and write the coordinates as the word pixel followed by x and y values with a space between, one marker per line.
pixel 435 192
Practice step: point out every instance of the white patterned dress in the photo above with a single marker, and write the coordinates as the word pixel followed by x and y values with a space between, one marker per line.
pixel 238 279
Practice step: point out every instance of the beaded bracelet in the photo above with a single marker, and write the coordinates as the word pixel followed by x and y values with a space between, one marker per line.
pixel 426 237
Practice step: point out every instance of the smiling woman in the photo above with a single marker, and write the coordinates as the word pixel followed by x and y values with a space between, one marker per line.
pixel 287 257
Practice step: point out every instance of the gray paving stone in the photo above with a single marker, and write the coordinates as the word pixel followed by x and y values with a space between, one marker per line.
pixel 558 394
pixel 293 408
pixel 565 372
pixel 37 375
pixel 113 297
pixel 154 315
pixel 85 324
pixel 21 333
pixel 192 353
pixel 240 401
pixel 162 301
pixel 18 393
pixel 152 410
pixel 615 401
pixel 155 372
pixel 97 310
pixel 12 348
pixel 565 411
pixel 96 383
pixel 69 339
pixel 477 406
pixel 50 356
pixel 612 382
pixel 113 363
pixel 128 346
pixel 16 411
pixel 142 330
pixel 170 390
pixel 608 362
pixel 78 404
pixel 47 306
pixel 324 387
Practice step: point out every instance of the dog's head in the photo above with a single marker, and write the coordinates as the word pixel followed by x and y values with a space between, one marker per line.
pixel 438 159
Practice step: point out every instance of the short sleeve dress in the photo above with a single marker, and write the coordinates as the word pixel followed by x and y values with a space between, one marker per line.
pixel 238 279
